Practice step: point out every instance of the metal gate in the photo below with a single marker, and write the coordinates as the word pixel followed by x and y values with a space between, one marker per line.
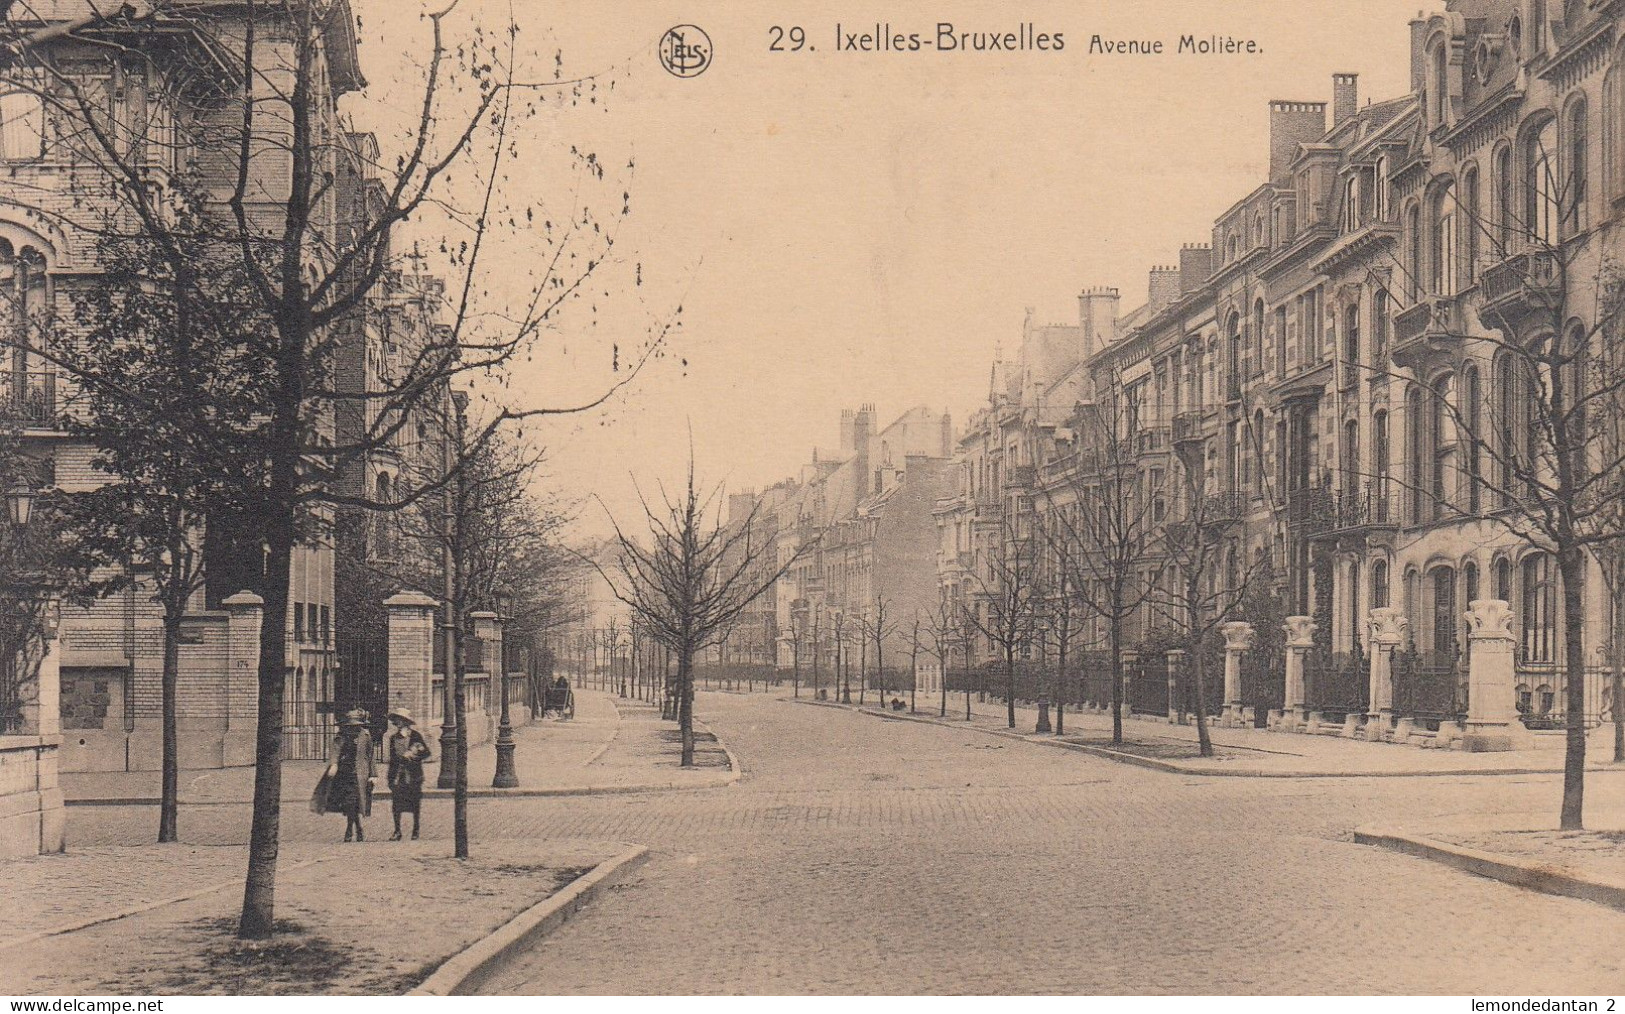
pixel 308 715
pixel 1263 683
pixel 361 680
pixel 1337 685
pixel 1148 684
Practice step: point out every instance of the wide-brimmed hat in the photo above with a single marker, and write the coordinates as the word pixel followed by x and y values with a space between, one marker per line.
pixel 403 715
pixel 356 717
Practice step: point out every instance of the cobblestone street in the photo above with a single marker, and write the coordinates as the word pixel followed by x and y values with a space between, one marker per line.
pixel 866 856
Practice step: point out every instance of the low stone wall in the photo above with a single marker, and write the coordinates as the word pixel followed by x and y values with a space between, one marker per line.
pixel 32 820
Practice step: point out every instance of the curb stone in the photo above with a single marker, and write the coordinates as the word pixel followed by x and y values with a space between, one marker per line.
pixel 477 962
pixel 1172 767
pixel 1507 869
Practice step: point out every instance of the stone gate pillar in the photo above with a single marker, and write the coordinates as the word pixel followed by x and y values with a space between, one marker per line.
pixel 411 657
pixel 1387 633
pixel 1130 660
pixel 1492 714
pixel 1238 638
pixel 245 613
pixel 1300 640
pixel 1176 708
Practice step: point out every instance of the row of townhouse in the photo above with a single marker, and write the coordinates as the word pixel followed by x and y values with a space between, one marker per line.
pixel 1344 367
pixel 178 96
pixel 856 545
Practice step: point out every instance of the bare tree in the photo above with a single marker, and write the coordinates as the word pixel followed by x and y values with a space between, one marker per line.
pixel 692 579
pixel 1009 596
pixel 1100 521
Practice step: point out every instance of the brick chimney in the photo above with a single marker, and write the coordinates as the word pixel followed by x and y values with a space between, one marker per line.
pixel 1419 59
pixel 1164 285
pixel 1345 97
pixel 1195 264
pixel 1097 312
pixel 1292 124
pixel 863 429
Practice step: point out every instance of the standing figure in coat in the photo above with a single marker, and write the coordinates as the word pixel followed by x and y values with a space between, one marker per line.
pixel 346 786
pixel 406 751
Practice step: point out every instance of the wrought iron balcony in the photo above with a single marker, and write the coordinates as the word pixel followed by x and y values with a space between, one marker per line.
pixel 1224 508
pixel 1432 327
pixel 1523 284
pixel 29 398
pixel 1188 427
pixel 1311 511
pixel 1152 440
pixel 1022 476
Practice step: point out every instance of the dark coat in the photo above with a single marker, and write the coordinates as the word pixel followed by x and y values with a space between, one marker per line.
pixel 346 786
pixel 406 753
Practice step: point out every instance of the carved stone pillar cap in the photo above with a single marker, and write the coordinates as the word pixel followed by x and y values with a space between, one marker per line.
pixel 1489 619
pixel 1387 626
pixel 244 600
pixel 1238 635
pixel 1300 631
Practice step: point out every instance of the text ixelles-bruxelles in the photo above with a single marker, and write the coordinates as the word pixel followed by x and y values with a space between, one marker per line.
pixel 1025 38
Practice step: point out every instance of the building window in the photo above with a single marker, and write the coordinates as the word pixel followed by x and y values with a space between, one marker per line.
pixel 1379 329
pixel 1258 336
pixel 1473 411
pixel 1473 225
pixel 298 622
pixel 1444 243
pixel 1577 151
pixel 1503 201
pixel 1351 345
pixel 1542 197
pixel 1379 185
pixel 22 127
pixel 1413 237
pixel 1413 447
pixel 1380 507
pixel 1441 85
pixel 1351 203
pixel 1446 454
pixel 1539 624
pixel 1445 619
pixel 1503 580
pixel 1280 340
pixel 1379 584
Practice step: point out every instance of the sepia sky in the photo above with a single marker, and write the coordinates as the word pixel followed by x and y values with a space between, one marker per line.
pixel 850 227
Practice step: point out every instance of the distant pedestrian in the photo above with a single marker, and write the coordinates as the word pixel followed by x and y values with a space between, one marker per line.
pixel 346 786
pixel 406 751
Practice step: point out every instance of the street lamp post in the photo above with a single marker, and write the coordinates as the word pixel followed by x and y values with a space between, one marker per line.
pixel 506 776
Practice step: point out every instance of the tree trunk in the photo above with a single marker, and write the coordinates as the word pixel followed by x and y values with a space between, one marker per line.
pixel 1116 647
pixel 1060 689
pixel 1010 682
pixel 1571 564
pixel 459 790
pixel 685 702
pixel 1616 691
pixel 259 887
pixel 169 793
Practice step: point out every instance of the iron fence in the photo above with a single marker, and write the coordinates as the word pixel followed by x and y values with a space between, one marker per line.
pixel 1336 684
pixel 1430 688
pixel 1542 695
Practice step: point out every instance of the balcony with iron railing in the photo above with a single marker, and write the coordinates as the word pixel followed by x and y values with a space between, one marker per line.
pixel 1366 507
pixel 1523 284
pixel 1224 507
pixel 1022 476
pixel 1431 329
pixel 1311 511
pixel 1153 440
pixel 29 399
pixel 1188 427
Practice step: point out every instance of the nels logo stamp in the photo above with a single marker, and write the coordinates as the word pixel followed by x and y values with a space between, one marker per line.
pixel 685 51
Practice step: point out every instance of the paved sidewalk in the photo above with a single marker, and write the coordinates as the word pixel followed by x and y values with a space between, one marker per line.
pixel 1154 742
pixel 611 745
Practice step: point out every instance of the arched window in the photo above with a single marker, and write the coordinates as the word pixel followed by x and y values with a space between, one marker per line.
pixel 1444 242
pixel 22 127
pixel 1379 584
pixel 1258 336
pixel 1413 238
pixel 1472 413
pixel 1613 119
pixel 1507 405
pixel 1503 580
pixel 1469 582
pixel 1351 345
pixel 1351 202
pixel 1442 584
pixel 1503 201
pixel 1538 619
pixel 1542 194
pixel 1379 189
pixel 1439 86
pixel 1472 225
pixel 1379 329
pixel 1381 508
pixel 1351 455
pixel 1234 364
pixel 1446 454
pixel 1576 152
pixel 1414 451
pixel 1280 340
